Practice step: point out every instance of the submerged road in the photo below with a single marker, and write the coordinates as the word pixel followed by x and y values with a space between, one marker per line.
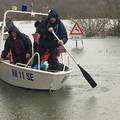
pixel 77 100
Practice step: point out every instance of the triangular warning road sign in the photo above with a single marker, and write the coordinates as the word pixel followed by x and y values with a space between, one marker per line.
pixel 76 30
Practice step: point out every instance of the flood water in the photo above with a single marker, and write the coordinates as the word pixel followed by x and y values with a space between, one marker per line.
pixel 76 100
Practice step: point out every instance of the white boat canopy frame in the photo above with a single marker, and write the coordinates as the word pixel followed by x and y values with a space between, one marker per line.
pixel 21 12
pixel 33 14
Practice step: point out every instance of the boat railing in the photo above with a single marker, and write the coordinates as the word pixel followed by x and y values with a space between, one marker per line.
pixel 65 58
pixel 31 59
pixel 62 61
pixel 68 60
pixel 19 12
pixel 28 65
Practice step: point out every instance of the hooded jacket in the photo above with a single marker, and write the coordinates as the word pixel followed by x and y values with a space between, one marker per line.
pixel 10 44
pixel 49 41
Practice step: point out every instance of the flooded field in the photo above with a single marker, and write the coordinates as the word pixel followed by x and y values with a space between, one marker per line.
pixel 76 100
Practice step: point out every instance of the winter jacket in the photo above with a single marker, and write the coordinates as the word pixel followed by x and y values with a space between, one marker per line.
pixel 10 43
pixel 48 39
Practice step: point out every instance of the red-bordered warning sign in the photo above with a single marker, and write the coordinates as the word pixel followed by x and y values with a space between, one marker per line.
pixel 76 30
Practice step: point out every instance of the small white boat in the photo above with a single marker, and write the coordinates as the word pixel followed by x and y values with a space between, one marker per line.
pixel 26 77
pixel 31 78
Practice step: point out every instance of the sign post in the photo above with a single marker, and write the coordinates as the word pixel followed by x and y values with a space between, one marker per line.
pixel 76 33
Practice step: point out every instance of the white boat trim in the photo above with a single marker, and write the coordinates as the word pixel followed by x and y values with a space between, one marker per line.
pixel 38 71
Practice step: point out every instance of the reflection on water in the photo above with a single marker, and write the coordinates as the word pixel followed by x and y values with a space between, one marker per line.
pixel 90 108
pixel 77 50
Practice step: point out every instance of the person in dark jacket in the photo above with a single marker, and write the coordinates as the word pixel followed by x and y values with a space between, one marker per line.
pixel 19 45
pixel 48 41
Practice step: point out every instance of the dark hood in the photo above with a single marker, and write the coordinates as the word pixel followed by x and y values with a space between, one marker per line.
pixel 54 13
pixel 37 24
pixel 13 29
pixel 9 24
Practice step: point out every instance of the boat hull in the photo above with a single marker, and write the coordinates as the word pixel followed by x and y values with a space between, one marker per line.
pixel 32 79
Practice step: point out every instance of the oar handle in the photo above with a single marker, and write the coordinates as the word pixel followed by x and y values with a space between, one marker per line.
pixel 65 48
pixel 55 35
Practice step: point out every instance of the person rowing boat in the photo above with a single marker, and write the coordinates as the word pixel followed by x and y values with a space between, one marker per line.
pixel 47 40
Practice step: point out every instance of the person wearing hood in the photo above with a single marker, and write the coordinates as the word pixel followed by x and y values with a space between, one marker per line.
pixel 9 24
pixel 48 41
pixel 19 45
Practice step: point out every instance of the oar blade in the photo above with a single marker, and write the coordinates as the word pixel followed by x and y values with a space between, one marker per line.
pixel 88 77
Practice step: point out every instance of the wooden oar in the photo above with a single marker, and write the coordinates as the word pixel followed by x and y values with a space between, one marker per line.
pixel 85 74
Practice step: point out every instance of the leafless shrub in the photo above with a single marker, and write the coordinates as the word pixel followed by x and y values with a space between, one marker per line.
pixel 101 27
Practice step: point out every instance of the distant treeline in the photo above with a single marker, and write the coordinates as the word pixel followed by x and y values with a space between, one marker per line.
pixel 75 8
pixel 98 17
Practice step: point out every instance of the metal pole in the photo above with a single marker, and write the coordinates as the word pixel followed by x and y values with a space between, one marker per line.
pixel 76 44
pixel 32 4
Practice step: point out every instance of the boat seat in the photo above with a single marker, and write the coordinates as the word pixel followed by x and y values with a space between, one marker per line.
pixel 22 65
